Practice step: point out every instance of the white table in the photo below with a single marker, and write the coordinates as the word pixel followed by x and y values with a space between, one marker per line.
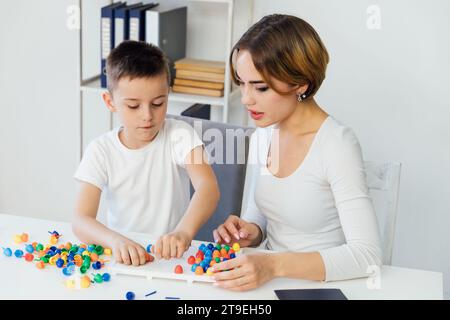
pixel 22 280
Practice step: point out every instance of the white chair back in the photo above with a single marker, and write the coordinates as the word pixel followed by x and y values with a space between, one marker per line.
pixel 383 181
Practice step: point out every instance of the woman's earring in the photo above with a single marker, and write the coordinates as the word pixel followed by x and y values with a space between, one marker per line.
pixel 301 97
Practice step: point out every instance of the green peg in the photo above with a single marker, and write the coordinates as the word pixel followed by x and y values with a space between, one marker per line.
pixel 98 278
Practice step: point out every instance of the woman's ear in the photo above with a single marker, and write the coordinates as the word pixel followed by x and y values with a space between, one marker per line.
pixel 302 89
pixel 107 98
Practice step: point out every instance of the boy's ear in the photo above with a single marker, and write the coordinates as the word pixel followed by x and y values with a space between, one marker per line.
pixel 107 98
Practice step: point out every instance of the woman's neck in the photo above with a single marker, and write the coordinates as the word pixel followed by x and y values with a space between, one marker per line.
pixel 306 118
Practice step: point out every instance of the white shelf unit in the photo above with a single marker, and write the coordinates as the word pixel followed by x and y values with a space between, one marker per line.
pixel 91 84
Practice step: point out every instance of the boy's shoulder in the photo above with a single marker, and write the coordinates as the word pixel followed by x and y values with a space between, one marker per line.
pixel 177 128
pixel 105 141
pixel 174 124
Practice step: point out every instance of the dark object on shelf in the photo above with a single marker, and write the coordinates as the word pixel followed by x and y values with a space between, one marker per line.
pixel 198 110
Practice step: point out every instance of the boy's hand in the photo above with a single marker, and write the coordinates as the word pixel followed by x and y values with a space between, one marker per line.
pixel 238 230
pixel 172 245
pixel 128 252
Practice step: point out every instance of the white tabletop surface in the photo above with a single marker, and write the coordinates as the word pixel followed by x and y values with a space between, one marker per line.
pixel 23 280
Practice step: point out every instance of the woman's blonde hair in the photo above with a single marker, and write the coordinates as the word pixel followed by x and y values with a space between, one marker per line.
pixel 286 48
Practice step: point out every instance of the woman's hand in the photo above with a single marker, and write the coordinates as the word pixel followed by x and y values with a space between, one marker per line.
pixel 172 245
pixel 238 230
pixel 245 272
pixel 128 252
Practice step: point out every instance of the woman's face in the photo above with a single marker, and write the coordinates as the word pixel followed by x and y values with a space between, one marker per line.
pixel 265 105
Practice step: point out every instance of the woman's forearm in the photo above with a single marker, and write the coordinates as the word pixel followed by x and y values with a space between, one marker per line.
pixel 301 265
pixel 259 236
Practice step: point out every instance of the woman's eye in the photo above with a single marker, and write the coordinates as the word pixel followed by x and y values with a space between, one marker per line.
pixel 133 107
pixel 262 89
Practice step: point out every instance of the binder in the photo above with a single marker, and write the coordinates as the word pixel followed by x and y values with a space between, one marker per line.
pixel 310 294
pixel 166 28
pixel 122 23
pixel 137 21
pixel 107 36
pixel 198 110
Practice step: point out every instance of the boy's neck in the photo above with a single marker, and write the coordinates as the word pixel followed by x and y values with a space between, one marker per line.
pixel 133 143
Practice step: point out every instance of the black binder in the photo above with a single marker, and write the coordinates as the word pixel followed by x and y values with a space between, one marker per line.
pixel 310 294
pixel 198 110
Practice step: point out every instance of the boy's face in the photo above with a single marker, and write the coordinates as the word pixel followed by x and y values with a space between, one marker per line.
pixel 141 105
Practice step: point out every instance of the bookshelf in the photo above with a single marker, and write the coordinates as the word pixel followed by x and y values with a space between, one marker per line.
pixel 93 85
pixel 89 82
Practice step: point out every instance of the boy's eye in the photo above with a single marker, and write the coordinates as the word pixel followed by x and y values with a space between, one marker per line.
pixel 158 104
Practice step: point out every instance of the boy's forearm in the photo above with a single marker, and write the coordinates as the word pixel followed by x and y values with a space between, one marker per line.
pixel 201 207
pixel 90 231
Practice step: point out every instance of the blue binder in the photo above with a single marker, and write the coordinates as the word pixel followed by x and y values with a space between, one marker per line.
pixel 137 21
pixel 107 36
pixel 122 24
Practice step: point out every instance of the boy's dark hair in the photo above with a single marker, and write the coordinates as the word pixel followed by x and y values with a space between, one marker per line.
pixel 135 59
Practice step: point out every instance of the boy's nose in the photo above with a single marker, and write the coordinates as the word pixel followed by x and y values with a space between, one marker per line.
pixel 147 113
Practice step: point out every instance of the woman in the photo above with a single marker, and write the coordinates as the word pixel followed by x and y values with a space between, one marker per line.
pixel 308 195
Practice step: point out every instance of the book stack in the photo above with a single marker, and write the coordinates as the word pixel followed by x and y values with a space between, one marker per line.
pixel 200 77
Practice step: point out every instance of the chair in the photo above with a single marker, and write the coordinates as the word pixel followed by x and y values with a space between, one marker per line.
pixel 230 172
pixel 383 181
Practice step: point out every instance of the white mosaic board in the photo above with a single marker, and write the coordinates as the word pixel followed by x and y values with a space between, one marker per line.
pixel 162 268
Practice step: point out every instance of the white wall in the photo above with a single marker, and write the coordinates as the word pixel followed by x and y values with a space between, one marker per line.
pixel 388 84
pixel 39 96
pixel 38 110
pixel 391 86
pixel 206 39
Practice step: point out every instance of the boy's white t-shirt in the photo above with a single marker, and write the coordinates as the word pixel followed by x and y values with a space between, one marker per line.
pixel 147 189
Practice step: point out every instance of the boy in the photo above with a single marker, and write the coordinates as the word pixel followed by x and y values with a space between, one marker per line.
pixel 144 166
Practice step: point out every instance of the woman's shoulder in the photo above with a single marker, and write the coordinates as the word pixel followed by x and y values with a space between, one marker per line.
pixel 337 133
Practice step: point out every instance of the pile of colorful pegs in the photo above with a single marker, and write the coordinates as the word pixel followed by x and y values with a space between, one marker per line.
pixel 208 255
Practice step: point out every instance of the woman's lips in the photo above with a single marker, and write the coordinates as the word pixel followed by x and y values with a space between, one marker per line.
pixel 256 115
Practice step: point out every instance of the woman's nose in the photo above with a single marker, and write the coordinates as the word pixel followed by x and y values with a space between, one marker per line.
pixel 247 99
